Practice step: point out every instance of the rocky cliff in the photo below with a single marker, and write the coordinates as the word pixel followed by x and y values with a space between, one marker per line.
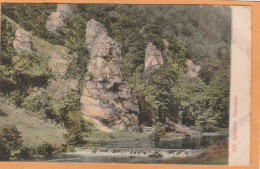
pixel 107 98
pixel 193 69
pixel 22 41
pixel 153 58
pixel 56 21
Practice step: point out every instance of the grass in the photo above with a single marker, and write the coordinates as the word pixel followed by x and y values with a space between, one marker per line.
pixel 216 154
pixel 34 131
pixel 10 20
pixel 44 48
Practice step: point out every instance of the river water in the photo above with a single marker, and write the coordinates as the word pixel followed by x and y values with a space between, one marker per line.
pixel 137 151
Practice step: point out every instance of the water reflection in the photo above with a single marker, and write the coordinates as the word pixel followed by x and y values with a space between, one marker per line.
pixel 138 151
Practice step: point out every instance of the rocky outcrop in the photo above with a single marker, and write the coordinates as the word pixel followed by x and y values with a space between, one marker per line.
pixel 23 41
pixel 65 9
pixel 55 21
pixel 153 58
pixel 107 97
pixel 193 70
pixel 99 44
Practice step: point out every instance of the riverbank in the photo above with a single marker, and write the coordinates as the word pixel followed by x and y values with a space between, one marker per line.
pixel 216 154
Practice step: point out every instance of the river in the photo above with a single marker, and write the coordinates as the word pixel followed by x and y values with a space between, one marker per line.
pixel 136 151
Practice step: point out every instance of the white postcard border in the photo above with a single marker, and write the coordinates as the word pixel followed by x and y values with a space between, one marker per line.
pixel 240 92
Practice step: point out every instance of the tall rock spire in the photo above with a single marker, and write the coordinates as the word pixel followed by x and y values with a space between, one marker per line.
pixel 56 21
pixel 153 58
pixel 107 98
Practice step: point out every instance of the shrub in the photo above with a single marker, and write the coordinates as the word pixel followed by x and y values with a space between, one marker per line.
pixel 156 155
pixel 2 113
pixel 104 150
pixel 94 150
pixel 116 150
pixel 45 149
pixel 26 153
pixel 10 139
pixel 158 133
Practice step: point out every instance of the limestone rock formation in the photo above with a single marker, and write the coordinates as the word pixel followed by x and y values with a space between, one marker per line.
pixel 65 9
pixel 153 58
pixel 98 43
pixel 55 21
pixel 193 69
pixel 22 41
pixel 107 98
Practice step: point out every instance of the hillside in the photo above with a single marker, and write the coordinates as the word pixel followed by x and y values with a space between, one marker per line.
pixel 34 131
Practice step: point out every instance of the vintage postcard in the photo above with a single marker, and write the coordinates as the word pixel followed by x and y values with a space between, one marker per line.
pixel 125 83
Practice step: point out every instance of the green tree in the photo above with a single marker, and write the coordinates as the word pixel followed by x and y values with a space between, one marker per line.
pixel 218 102
pixel 158 133
pixel 188 96
pixel 73 120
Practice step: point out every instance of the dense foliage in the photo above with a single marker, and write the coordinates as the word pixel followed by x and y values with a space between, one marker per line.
pixel 166 96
